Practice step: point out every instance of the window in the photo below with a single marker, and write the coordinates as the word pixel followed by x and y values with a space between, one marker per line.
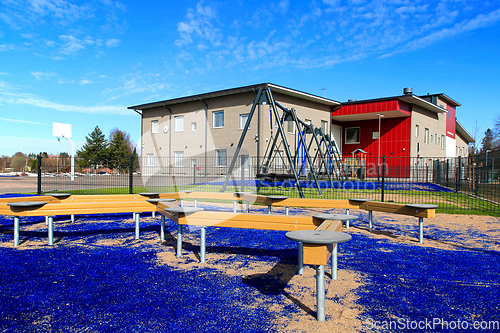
pixel 324 126
pixel 221 157
pixel 218 119
pixel 352 135
pixel 426 136
pixel 243 120
pixel 150 160
pixel 154 126
pixel 417 129
pixel 179 123
pixel 442 142
pixel 290 126
pixel 193 162
pixel 308 121
pixel 178 158
pixel 193 126
pixel 375 135
pixel 432 136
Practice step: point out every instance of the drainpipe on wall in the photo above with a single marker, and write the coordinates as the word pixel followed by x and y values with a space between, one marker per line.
pixel 169 136
pixel 206 134
pixel 142 127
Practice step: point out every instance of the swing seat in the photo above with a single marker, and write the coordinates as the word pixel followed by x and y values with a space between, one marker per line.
pixel 271 177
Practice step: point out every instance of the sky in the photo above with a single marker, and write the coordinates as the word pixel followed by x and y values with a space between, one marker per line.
pixel 84 62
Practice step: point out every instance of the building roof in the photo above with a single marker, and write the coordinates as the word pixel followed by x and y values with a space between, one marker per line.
pixel 410 98
pixel 463 133
pixel 446 98
pixel 387 113
pixel 239 90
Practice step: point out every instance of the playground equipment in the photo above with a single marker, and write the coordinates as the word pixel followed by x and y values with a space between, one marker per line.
pixel 275 166
pixel 356 165
pixel 318 235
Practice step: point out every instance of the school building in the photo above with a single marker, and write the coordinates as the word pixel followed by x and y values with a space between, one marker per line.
pixel 191 129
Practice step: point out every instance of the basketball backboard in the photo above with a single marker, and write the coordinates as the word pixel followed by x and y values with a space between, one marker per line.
pixel 61 130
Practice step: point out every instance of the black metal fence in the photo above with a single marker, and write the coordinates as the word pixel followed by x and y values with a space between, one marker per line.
pixel 452 183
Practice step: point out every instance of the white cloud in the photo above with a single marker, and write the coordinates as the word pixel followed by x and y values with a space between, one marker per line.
pixel 200 24
pixel 40 76
pixel 21 121
pixel 11 96
pixel 85 81
pixel 72 44
pixel 113 42
pixel 480 21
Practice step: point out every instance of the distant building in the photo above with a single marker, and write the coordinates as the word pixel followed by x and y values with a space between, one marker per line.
pixel 189 130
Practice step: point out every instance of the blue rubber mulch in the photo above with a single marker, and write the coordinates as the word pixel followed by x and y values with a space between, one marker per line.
pixel 82 285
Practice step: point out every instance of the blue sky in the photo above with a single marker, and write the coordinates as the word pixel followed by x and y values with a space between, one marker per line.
pixel 84 62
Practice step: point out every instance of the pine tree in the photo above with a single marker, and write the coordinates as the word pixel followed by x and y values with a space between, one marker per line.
pixel 487 143
pixel 119 150
pixel 95 150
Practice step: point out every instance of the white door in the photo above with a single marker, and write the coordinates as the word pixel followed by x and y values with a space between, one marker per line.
pixel 336 135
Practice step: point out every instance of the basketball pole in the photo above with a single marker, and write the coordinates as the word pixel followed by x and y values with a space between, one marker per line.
pixel 72 160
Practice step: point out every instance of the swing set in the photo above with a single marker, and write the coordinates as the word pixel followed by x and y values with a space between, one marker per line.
pixel 299 166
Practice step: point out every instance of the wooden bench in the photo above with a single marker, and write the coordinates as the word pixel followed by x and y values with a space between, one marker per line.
pixel 420 211
pixel 78 205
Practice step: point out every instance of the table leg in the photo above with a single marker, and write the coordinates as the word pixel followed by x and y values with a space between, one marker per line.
pixel 370 220
pixel 162 228
pixel 51 230
pixel 234 206
pixel 137 226
pixel 301 258
pixel 269 209
pixel 287 210
pixel 195 203
pixel 203 244
pixel 320 292
pixel 16 230
pixel 334 262
pixel 248 207
pixel 421 230
pixel 179 240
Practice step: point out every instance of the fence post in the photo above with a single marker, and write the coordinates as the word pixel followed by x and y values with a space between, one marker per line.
pixel 242 164
pixel 39 176
pixel 447 171
pixel 383 178
pixel 131 175
pixel 477 175
pixel 194 173
pixel 427 173
pixel 459 174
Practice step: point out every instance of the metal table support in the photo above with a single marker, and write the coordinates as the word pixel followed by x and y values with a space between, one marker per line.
pixel 421 219
pixel 185 211
pixel 162 228
pixel 179 241
pixel 273 198
pixel 370 213
pixel 24 206
pixel 319 237
pixel 203 244
pixel 137 217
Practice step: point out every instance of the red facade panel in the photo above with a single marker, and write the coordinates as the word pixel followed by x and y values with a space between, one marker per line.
pixel 373 107
pixel 394 142
pixel 451 121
